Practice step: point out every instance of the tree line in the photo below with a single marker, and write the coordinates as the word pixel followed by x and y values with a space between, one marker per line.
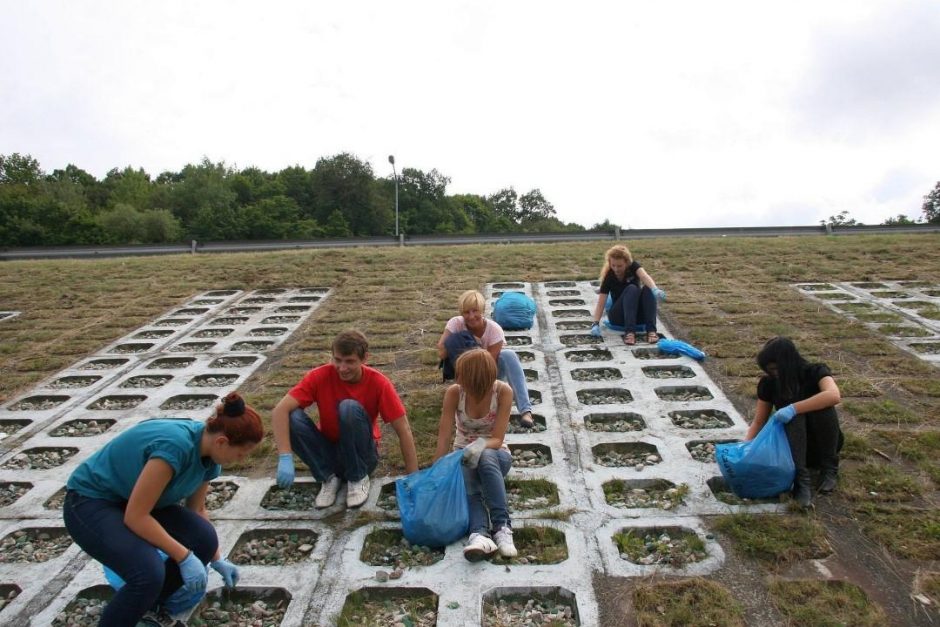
pixel 340 197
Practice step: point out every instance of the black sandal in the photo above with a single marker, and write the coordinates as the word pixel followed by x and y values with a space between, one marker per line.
pixel 527 424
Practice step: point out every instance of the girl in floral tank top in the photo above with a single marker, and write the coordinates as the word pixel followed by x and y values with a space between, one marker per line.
pixel 477 408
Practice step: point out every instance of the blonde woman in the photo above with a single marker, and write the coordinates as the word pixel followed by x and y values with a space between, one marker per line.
pixel 477 406
pixel 634 295
pixel 489 335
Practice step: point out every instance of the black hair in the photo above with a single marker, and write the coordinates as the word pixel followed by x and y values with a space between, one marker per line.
pixel 782 352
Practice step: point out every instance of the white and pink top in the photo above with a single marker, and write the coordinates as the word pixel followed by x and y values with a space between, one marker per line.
pixel 469 429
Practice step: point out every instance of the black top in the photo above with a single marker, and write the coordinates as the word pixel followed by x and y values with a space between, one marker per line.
pixel 767 389
pixel 614 286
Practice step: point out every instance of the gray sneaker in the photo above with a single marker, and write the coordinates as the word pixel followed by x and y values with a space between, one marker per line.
pixel 504 542
pixel 159 618
pixel 357 492
pixel 328 490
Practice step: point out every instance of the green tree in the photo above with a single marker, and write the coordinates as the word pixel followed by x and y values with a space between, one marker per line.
pixel 160 226
pixel 123 224
pixel 271 218
pixel 336 225
pixel 128 187
pixel 842 219
pixel 19 169
pixel 344 183
pixel 931 206
pixel 534 206
pixel 900 220
pixel 505 203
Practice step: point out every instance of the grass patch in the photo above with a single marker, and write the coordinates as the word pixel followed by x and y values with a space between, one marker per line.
pixel 825 603
pixel 908 532
pixel 856 447
pixel 877 482
pixel 881 412
pixel 855 386
pixel 927 387
pixel 775 540
pixel 382 606
pixel 690 602
pixel 929 584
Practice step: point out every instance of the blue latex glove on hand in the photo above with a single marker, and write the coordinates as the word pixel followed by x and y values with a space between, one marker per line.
pixel 285 470
pixel 471 454
pixel 784 415
pixel 228 570
pixel 596 329
pixel 659 294
pixel 194 573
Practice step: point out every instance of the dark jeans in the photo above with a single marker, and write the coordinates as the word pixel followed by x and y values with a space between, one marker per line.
pixel 635 306
pixel 98 527
pixel 352 458
pixel 815 441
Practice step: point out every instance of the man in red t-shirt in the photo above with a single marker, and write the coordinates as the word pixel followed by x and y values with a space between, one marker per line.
pixel 344 445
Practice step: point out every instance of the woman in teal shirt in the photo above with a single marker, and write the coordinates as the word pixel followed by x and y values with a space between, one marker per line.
pixel 123 502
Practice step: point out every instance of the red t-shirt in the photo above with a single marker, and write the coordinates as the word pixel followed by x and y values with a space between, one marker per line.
pixel 374 392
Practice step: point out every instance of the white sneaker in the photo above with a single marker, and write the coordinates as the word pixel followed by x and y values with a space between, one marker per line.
pixel 503 539
pixel 478 547
pixel 328 490
pixel 357 492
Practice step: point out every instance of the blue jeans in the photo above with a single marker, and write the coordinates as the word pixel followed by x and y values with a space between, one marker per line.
pixel 510 371
pixel 98 527
pixel 352 458
pixel 635 306
pixel 487 491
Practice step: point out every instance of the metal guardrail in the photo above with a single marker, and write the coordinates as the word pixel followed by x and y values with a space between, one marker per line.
pixel 66 252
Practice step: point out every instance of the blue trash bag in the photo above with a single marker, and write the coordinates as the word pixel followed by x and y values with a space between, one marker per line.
pixel 678 347
pixel 514 311
pixel 761 468
pixel 177 603
pixel 639 328
pixel 433 503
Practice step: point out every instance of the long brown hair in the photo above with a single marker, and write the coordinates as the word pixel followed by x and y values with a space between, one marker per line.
pixel 615 252
pixel 475 372
pixel 237 421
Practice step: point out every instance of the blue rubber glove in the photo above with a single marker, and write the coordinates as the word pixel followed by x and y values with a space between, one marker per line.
pixel 596 329
pixel 784 415
pixel 194 573
pixel 659 294
pixel 285 470
pixel 228 570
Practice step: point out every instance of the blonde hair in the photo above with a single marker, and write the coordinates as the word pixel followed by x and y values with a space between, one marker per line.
pixel 615 252
pixel 475 372
pixel 471 299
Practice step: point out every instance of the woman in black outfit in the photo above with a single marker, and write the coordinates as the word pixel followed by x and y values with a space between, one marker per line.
pixel 804 396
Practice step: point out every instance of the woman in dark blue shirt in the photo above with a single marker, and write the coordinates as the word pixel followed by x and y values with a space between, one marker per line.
pixel 634 295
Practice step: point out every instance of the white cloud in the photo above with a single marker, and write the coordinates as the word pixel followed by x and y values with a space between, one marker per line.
pixel 685 114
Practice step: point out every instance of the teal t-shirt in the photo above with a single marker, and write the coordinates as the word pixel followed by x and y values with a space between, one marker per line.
pixel 112 472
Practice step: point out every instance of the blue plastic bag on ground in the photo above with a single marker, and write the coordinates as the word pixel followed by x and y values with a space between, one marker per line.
pixel 761 468
pixel 514 311
pixel 177 603
pixel 433 503
pixel 640 328
pixel 678 347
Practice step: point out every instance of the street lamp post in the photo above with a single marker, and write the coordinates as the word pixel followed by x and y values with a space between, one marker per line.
pixel 391 159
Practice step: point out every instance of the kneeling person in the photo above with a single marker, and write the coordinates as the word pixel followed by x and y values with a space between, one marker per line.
pixel 349 396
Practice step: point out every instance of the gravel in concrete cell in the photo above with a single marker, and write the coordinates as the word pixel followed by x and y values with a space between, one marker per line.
pixel 242 607
pixel 85 609
pixel 220 493
pixel 518 340
pixel 651 353
pixel 221 332
pixel 293 309
pixel 598 354
pixel 644 493
pixel 192 311
pixel 299 497
pixel 390 607
pixel 9 427
pixel 231 320
pixel 10 491
pixel 580 339
pixel 188 402
pixel 114 403
pixel 527 610
pixel 172 322
pixel 636 455
pixel 684 393
pixel 152 334
pixel 38 403
pixel 242 311
pixel 191 347
pixel 604 396
pixel 704 450
pixel 701 419
pixel 596 374
pixel 171 363
pixel 103 364
pixel 66 383
pixel 530 455
pixel 571 313
pixel 8 592
pixel 272 547
pixel 81 428
pixel 56 501
pixel 668 372
pixel 388 547
pixel 40 458
pixel 212 380
pixel 267 332
pixel 252 346
pixel 672 546
pixel 147 381
pixel 515 424
pixel 614 422
pixel 233 362
pixel 34 545
pixel 281 320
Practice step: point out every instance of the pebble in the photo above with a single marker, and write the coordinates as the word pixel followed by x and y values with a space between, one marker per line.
pixel 652 353
pixel 595 374
pixel 191 347
pixel 528 458
pixel 252 346
pixel 267 332
pixel 81 428
pixel 81 612
pixel 56 501
pixel 189 402
pixel 258 300
pixel 33 545
pixel 392 611
pixel 516 501
pixel 303 299
pixel 239 611
pixel 273 549
pixel 220 493
pixel 293 309
pixel 518 340
pixel 574 325
pixel 231 320
pixel 663 495
pixel 233 362
pixel 212 380
pixel 668 372
pixel 662 548
pixel 281 320
pixel 213 333
pixel 508 286
pixel 525 356
pixel 616 422
pixel 580 338
pixel 206 301
pixel 240 311
pixel 566 302
pixel 702 451
pixel 388 500
pixel 9 492
pixel 684 394
pixel 571 313
pixel 299 497
pixel 147 381
pixel 556 284
pixel 171 364
pixel 515 426
pixel 192 311
pixel 66 383
pixel 125 349
pixel 38 403
pixel 102 364
pixel 589 355
pixel 9 427
pixel 530 375
pixel 111 403
pixel 638 459
pixel 40 458
pixel 604 396
pixel 381 576
pixel 564 293
pixel 387 547
pixel 535 397
pixel 151 335
pixel 708 419
pixel 172 322
pixel 528 612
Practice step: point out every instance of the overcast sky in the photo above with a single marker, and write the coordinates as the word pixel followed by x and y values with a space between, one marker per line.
pixel 672 114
